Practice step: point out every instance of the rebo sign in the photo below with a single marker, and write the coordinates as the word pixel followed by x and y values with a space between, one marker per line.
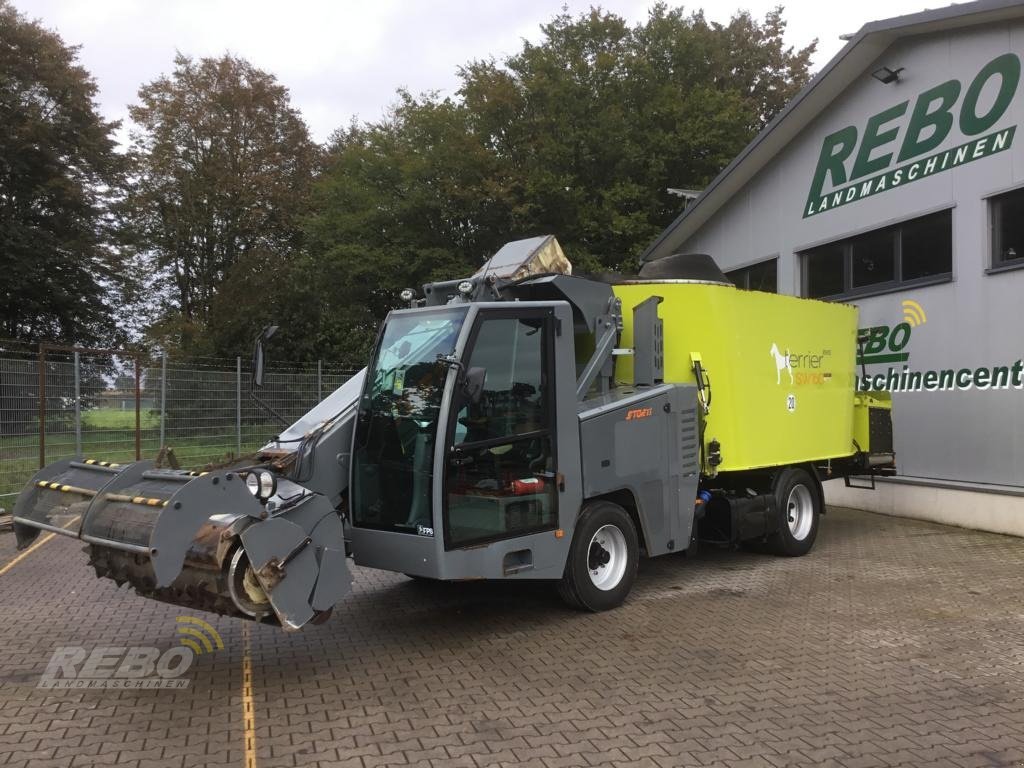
pixel 858 164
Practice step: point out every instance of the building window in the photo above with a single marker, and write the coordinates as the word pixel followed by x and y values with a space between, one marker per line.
pixel 909 253
pixel 1007 228
pixel 825 268
pixel 763 276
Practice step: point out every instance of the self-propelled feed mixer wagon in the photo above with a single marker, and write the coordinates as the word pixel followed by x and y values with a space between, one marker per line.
pixel 521 423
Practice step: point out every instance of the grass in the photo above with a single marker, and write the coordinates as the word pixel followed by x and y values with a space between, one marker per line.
pixel 114 418
pixel 19 455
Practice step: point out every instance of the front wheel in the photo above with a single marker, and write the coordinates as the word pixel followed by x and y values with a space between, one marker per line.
pixel 602 559
pixel 799 505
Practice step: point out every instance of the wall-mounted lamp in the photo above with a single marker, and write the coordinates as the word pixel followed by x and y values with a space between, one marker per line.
pixel 688 195
pixel 885 75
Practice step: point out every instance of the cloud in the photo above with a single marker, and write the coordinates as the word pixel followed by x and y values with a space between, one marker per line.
pixel 343 59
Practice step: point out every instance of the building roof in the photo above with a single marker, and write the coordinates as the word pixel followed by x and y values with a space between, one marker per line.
pixel 846 66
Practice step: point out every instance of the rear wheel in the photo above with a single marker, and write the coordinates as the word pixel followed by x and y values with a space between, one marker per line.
pixel 602 562
pixel 799 506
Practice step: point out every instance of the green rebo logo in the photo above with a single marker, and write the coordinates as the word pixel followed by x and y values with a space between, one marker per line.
pixel 854 164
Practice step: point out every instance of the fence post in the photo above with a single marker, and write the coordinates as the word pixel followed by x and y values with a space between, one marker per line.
pixel 238 404
pixel 42 406
pixel 319 380
pixel 78 407
pixel 163 398
pixel 138 412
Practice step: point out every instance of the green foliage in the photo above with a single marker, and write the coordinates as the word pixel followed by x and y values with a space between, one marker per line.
pixel 578 136
pixel 413 198
pixel 226 229
pixel 58 176
pixel 222 168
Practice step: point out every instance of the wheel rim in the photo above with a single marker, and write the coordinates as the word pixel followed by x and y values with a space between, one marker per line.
pixel 606 557
pixel 800 512
pixel 244 588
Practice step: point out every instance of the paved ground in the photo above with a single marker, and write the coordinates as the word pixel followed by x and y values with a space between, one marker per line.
pixel 894 643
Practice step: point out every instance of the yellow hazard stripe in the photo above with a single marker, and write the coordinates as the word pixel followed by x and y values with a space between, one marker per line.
pixel 65 488
pixel 149 502
pixel 99 463
pixel 142 500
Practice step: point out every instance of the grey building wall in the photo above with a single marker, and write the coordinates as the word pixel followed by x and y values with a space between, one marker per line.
pixel 976 319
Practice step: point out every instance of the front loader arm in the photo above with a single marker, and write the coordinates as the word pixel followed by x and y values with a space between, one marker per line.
pixel 318 445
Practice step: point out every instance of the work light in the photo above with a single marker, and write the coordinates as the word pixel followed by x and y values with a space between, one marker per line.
pixel 261 484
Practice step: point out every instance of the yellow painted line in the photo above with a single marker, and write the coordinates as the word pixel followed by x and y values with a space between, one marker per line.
pixel 248 711
pixel 26 553
pixel 4 569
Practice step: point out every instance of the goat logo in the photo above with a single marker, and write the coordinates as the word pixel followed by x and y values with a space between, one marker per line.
pixel 781 364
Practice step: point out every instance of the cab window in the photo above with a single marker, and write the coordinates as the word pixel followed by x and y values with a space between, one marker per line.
pixel 501 464
pixel 508 353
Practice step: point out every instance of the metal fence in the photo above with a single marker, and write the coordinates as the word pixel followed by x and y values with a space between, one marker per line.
pixel 61 402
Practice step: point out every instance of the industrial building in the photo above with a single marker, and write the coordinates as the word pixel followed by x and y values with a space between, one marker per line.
pixel 895 181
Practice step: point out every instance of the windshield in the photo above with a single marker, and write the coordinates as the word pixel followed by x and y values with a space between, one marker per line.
pixel 397 423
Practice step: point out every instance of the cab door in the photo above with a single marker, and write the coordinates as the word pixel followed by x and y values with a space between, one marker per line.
pixel 501 464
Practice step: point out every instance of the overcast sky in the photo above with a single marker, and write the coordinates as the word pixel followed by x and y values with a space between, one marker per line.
pixel 344 59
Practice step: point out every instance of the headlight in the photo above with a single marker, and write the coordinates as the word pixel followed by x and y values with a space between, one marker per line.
pixel 261 484
pixel 466 287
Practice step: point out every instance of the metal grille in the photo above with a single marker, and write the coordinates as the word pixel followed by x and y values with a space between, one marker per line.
pixel 689 442
pixel 880 430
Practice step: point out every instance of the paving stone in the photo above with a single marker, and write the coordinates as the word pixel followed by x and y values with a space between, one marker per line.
pixel 895 642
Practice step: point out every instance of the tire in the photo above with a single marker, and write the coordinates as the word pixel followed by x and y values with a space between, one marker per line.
pixel 606 539
pixel 798 498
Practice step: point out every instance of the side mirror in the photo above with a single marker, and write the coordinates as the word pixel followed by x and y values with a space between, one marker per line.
pixel 473 384
pixel 258 355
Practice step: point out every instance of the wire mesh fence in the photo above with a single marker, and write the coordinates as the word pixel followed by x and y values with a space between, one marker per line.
pixel 59 402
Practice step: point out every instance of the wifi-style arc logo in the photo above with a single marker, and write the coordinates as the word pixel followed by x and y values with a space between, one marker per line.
pixel 198 635
pixel 913 313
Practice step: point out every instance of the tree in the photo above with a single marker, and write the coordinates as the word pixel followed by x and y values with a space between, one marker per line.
pixel 222 166
pixel 412 198
pixel 577 136
pixel 599 119
pixel 59 175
